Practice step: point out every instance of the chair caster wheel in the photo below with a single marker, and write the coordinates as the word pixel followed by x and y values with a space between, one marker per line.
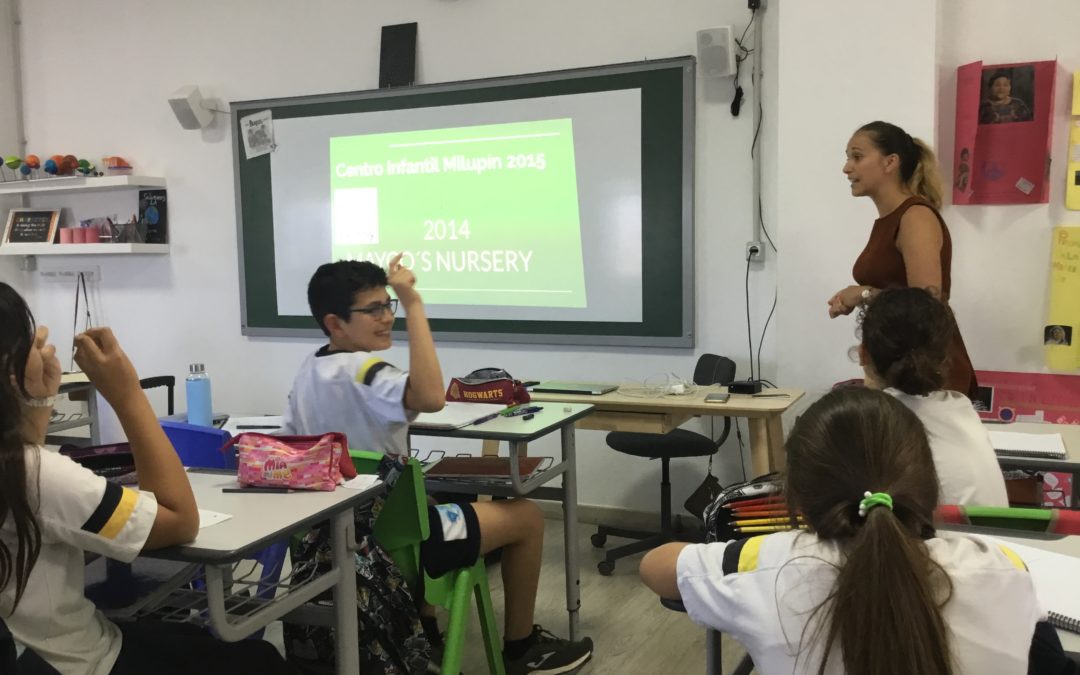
pixel 598 540
pixel 605 568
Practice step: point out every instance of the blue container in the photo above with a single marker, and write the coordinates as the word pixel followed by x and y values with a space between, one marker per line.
pixel 200 446
pixel 200 410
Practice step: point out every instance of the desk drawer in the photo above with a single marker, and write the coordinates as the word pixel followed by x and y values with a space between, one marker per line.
pixel 648 423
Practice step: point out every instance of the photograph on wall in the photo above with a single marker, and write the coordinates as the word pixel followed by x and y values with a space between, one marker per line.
pixel 1003 133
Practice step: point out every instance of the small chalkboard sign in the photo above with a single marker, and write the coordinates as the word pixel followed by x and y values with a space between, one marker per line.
pixel 31 226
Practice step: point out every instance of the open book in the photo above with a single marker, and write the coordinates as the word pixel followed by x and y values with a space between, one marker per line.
pixel 1016 444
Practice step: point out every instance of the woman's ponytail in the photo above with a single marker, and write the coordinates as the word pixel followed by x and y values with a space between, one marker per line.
pixel 925 179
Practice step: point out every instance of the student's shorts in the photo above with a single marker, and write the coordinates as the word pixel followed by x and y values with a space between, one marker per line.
pixel 454 539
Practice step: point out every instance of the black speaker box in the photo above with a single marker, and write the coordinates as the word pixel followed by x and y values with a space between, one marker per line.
pixel 397 55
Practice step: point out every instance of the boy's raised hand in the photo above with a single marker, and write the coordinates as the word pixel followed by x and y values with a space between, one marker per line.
pixel 402 280
pixel 99 355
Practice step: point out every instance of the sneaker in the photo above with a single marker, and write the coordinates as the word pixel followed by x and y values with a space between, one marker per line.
pixel 550 655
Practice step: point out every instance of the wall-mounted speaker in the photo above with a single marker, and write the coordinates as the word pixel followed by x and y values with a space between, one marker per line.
pixel 716 52
pixel 397 55
pixel 187 104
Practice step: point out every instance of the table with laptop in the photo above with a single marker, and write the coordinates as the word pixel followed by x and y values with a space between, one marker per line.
pixel 622 409
pixel 513 475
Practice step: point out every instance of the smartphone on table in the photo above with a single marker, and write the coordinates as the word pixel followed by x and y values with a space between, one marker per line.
pixel 718 397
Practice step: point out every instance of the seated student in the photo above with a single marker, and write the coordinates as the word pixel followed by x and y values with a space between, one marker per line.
pixel 344 387
pixel 906 334
pixel 871 588
pixel 52 510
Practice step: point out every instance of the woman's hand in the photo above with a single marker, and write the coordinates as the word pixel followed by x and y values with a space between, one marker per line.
pixel 42 375
pixel 99 355
pixel 845 301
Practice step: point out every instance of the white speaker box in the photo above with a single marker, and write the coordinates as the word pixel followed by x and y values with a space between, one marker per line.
pixel 187 105
pixel 716 52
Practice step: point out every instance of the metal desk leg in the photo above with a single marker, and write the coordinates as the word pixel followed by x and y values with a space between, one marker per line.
pixel 346 646
pixel 92 413
pixel 570 527
pixel 713 663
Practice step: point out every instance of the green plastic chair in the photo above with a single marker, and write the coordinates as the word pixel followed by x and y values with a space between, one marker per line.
pixel 400 527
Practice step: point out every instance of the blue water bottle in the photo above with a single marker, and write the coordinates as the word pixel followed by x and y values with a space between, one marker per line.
pixel 200 410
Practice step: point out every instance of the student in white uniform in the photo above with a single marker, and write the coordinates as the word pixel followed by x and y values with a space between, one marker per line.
pixel 344 387
pixel 906 333
pixel 871 588
pixel 52 510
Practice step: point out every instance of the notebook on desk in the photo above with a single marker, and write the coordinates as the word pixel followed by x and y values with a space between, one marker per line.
pixel 1054 576
pixel 584 388
pixel 456 415
pixel 1017 444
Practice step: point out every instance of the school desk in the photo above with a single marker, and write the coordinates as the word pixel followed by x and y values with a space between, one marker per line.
pixel 1070 436
pixel 258 520
pixel 518 432
pixel 619 411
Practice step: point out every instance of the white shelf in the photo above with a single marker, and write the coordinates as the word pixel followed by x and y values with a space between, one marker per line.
pixel 79 184
pixel 81 249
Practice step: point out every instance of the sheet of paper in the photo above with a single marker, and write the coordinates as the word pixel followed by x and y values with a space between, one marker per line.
pixel 258 133
pixel 456 415
pixel 211 518
pixel 262 424
pixel 361 482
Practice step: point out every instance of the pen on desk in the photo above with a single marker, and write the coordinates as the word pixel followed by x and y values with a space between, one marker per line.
pixel 260 490
pixel 768 395
pixel 486 418
pixel 526 418
pixel 258 426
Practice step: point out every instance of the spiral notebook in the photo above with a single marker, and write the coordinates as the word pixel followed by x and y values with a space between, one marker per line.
pixel 1016 444
pixel 1054 576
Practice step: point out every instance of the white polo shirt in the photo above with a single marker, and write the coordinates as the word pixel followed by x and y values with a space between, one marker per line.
pixel 964 458
pixel 356 393
pixel 77 511
pixel 763 591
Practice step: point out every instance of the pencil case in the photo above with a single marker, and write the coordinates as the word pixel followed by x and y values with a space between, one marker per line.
pixel 301 462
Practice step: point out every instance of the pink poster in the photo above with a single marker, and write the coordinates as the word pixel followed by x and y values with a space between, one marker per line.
pixel 1028 397
pixel 1003 125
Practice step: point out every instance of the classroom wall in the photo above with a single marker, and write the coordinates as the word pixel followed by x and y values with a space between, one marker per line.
pixel 1002 254
pixel 173 310
pixel 8 135
pixel 842 63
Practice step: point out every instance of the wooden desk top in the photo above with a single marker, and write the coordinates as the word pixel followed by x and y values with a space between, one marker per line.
pixel 739 405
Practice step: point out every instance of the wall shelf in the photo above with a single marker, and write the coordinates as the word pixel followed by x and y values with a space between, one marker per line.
pixel 82 249
pixel 73 184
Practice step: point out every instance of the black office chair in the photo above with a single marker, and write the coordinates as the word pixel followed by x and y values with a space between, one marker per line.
pixel 710 369
pixel 167 381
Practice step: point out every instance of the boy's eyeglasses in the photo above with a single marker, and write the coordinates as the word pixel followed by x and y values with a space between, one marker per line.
pixel 377 310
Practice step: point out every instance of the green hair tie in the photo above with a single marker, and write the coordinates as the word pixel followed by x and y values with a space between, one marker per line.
pixel 870 500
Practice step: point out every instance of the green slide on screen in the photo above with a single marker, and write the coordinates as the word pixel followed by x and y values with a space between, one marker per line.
pixel 485 215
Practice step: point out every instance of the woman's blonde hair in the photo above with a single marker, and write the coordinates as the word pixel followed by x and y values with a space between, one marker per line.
pixel 918 165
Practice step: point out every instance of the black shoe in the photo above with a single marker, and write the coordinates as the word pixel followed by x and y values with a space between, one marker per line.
pixel 550 655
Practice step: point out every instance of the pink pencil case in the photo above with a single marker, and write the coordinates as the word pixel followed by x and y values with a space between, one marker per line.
pixel 301 462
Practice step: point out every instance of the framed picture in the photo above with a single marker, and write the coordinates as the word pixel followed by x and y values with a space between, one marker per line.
pixel 31 226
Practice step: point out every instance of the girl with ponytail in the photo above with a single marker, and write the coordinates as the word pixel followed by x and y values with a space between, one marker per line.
pixel 909 244
pixel 871 588
pixel 906 333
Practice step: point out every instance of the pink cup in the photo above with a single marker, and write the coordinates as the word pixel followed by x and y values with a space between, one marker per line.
pixel 78 235
pixel 67 235
pixel 93 234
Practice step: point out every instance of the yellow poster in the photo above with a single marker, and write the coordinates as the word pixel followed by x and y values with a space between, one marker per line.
pixel 1061 335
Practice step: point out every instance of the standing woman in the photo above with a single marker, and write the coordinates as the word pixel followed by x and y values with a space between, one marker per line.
pixel 909 244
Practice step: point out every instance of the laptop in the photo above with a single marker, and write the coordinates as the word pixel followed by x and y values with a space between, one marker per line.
pixel 585 388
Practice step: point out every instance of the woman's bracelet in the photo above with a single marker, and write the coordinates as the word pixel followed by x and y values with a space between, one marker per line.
pixel 46 402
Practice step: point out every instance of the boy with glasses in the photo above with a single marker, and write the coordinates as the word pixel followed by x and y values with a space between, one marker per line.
pixel 344 387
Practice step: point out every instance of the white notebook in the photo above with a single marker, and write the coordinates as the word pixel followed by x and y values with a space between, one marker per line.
pixel 1016 444
pixel 1054 576
pixel 456 415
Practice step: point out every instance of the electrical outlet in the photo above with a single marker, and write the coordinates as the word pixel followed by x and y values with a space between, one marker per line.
pixel 70 274
pixel 755 252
